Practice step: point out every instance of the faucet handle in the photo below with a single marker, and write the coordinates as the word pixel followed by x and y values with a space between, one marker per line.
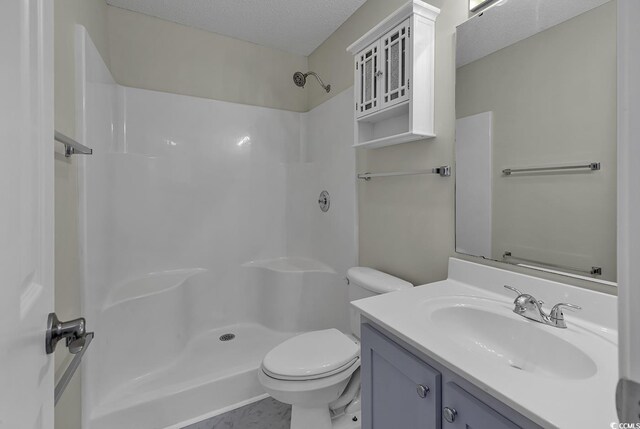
pixel 558 307
pixel 513 289
pixel 557 317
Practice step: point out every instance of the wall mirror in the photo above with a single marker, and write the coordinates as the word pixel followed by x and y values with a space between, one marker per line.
pixel 536 136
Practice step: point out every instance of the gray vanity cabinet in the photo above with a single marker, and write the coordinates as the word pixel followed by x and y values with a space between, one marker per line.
pixel 402 391
pixel 462 410
pixel 398 389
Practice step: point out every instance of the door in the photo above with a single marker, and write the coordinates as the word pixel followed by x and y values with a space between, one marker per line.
pixel 464 411
pixel 26 212
pixel 628 394
pixel 398 389
pixel 367 80
pixel 396 57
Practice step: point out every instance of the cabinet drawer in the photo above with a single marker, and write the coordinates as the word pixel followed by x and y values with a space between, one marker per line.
pixel 398 389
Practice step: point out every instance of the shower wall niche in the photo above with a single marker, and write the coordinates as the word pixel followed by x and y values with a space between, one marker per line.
pixel 199 218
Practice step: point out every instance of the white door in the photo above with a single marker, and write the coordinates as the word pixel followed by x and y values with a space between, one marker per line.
pixel 26 212
pixel 628 394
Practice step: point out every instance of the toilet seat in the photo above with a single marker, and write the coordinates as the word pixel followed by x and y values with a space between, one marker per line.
pixel 311 356
pixel 310 377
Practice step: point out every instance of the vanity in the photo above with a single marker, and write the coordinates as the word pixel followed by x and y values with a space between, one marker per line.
pixel 453 354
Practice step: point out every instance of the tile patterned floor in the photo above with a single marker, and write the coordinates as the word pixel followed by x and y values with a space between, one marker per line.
pixel 265 414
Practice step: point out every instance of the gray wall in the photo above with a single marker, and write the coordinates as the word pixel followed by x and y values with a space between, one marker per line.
pixel 150 53
pixel 554 101
pixel 406 224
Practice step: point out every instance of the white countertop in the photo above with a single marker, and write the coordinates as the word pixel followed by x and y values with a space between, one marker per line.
pixel 550 401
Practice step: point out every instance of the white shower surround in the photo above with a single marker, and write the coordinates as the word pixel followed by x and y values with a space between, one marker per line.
pixel 200 217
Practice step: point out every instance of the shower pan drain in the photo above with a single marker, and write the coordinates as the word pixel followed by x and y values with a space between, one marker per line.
pixel 227 337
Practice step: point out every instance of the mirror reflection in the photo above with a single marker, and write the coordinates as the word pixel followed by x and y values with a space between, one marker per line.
pixel 536 136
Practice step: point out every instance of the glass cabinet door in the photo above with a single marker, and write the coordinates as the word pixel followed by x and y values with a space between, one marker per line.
pixel 395 68
pixel 368 80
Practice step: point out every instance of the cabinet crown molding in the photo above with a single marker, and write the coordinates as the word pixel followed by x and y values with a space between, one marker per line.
pixel 412 7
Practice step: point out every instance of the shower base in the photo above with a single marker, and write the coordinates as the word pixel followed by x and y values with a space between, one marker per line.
pixel 210 377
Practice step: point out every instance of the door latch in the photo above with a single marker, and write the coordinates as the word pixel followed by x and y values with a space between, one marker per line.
pixel 74 331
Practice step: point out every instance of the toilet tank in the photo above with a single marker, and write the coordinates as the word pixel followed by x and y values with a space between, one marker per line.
pixel 365 282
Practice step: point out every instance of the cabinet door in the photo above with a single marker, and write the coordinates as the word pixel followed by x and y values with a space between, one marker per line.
pixel 368 80
pixel 470 413
pixel 396 65
pixel 398 389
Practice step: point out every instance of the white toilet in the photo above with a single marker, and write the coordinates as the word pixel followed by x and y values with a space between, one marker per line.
pixel 318 372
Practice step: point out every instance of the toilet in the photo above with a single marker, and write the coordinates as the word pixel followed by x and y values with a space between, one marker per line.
pixel 318 372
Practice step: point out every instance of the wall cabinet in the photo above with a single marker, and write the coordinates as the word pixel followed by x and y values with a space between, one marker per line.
pixel 394 78
pixel 402 390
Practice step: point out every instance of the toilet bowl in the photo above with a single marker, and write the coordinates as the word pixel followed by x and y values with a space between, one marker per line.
pixel 318 372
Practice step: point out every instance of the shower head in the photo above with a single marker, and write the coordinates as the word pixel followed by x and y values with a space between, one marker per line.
pixel 300 79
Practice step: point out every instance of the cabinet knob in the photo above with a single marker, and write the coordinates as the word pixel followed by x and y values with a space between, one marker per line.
pixel 379 73
pixel 422 390
pixel 449 414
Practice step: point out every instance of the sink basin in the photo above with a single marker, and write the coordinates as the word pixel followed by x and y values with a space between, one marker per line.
pixel 490 331
pixel 557 378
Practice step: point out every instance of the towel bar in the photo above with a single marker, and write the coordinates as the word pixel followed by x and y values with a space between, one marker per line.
pixel 443 171
pixel 593 166
pixel 72 147
pixel 71 369
pixel 594 271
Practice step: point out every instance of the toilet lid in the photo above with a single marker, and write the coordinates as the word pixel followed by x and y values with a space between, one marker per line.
pixel 312 355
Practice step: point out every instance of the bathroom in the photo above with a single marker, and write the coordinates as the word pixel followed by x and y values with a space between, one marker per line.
pixel 228 243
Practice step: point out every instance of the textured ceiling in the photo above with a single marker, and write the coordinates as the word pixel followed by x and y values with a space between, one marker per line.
pixel 297 26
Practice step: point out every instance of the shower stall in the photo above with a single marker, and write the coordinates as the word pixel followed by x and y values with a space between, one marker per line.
pixel 202 243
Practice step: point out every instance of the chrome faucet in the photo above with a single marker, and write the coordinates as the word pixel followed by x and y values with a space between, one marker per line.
pixel 527 306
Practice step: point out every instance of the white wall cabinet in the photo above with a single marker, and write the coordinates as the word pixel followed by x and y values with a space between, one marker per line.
pixel 394 78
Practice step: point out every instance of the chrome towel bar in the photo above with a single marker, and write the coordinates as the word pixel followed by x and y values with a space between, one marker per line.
pixel 594 271
pixel 71 369
pixel 72 147
pixel 443 171
pixel 592 166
